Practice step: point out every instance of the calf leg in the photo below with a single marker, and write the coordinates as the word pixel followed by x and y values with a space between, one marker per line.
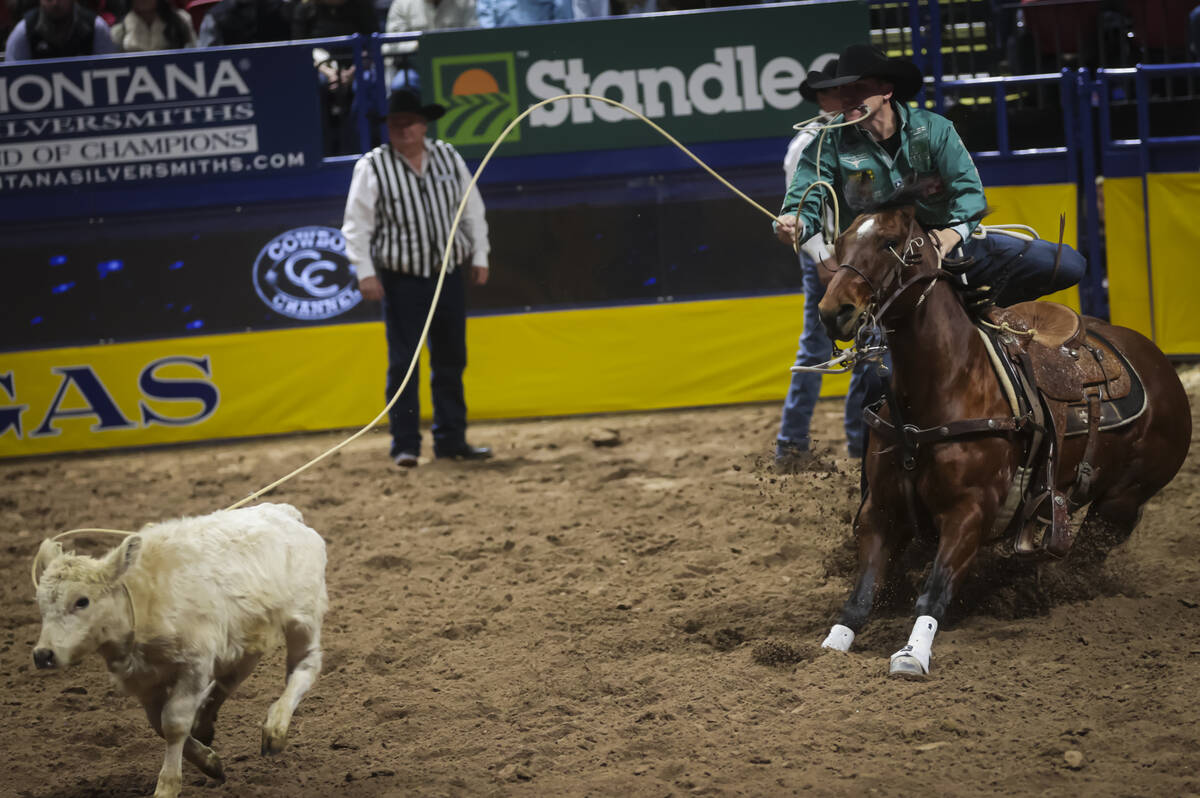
pixel 177 716
pixel 303 665
pixel 194 751
pixel 206 718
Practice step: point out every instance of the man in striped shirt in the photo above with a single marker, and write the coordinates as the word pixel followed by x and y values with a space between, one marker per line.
pixel 403 198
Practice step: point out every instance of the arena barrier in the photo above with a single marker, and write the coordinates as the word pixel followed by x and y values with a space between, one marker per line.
pixel 151 310
pixel 1150 191
pixel 1032 186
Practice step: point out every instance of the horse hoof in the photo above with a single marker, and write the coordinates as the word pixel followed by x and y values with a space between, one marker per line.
pixel 907 666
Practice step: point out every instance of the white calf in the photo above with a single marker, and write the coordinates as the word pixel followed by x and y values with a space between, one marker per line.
pixel 182 611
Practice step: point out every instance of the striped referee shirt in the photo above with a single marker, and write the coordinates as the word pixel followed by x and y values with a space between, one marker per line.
pixel 399 219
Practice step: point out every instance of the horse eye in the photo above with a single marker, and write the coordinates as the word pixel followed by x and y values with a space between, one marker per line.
pixel 890 243
pixel 81 603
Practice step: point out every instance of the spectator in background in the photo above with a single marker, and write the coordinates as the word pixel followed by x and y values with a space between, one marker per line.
pixel 58 29
pixel 153 25
pixel 406 16
pixel 402 198
pixel 6 19
pixel 246 22
pixel 314 19
pixel 502 13
pixel 633 6
pixel 414 16
pixel 589 9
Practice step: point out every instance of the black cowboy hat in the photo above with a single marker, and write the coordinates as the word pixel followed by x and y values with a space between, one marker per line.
pixel 407 101
pixel 817 75
pixel 864 61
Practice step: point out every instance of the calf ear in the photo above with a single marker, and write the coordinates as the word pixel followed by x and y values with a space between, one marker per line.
pixel 48 552
pixel 124 556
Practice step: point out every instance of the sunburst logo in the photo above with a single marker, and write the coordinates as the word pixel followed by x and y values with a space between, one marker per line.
pixel 480 95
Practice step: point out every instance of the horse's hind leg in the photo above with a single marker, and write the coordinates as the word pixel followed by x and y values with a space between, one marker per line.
pixel 879 542
pixel 1109 523
pixel 303 664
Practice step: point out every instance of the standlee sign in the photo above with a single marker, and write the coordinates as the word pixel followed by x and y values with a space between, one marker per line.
pixel 127 119
pixel 726 75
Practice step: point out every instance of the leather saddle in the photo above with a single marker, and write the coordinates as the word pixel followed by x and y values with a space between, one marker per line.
pixel 1070 363
pixel 1078 383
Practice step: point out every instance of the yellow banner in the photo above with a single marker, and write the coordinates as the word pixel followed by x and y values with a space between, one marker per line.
pixel 533 364
pixel 1039 207
pixel 1170 282
pixel 630 358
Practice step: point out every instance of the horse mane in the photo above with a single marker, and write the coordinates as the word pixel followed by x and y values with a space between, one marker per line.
pixel 911 193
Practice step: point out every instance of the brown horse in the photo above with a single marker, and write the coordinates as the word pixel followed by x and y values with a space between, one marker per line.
pixel 942 372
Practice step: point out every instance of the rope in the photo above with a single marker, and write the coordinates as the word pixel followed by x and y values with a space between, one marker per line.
pixel 441 279
pixel 825 184
pixel 33 568
pixel 446 260
pixel 1004 327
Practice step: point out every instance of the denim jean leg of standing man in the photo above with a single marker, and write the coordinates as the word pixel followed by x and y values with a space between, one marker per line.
pixel 447 361
pixel 805 387
pixel 856 399
pixel 405 304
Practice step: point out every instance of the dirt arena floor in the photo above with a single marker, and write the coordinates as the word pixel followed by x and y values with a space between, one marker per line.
pixel 639 617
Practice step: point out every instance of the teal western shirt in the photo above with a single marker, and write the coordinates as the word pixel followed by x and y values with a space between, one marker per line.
pixel 863 174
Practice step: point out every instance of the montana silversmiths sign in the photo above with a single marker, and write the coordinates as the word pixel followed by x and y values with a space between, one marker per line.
pixel 704 76
pixel 96 122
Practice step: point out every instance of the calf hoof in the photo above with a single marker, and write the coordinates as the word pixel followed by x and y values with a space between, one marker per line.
pixel 273 741
pixel 212 767
pixel 906 666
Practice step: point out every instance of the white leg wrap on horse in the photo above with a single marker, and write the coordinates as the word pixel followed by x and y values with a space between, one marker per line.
pixel 920 642
pixel 840 638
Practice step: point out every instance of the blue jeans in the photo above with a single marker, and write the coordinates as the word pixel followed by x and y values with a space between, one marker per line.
pixel 801 399
pixel 1023 274
pixel 406 301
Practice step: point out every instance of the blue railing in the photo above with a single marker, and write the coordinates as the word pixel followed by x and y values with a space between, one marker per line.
pixel 1128 157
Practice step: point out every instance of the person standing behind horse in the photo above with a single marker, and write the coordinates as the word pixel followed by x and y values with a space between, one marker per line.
pixel 403 197
pixel 792 443
pixel 894 146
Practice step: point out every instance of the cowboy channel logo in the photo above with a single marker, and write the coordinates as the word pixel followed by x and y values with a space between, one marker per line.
pixel 480 95
pixel 304 274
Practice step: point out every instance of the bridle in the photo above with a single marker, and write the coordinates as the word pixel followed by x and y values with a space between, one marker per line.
pixel 896 286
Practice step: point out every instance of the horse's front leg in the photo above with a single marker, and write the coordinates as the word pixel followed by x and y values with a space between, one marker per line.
pixel 880 539
pixel 959 536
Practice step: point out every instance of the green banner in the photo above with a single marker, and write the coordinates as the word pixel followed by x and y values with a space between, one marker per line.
pixel 703 76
